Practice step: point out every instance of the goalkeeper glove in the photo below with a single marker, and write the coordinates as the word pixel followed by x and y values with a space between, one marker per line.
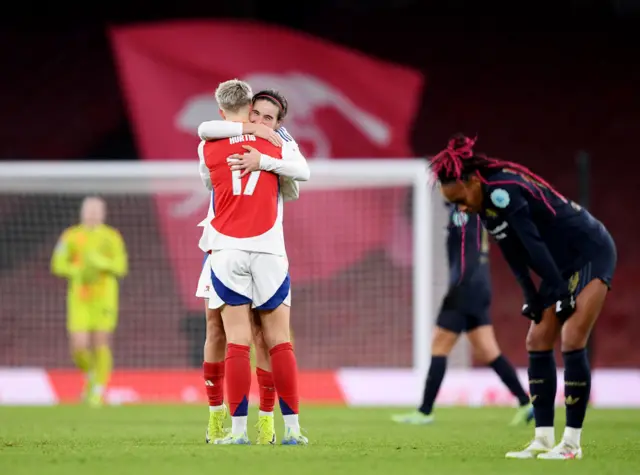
pixel 99 262
pixel 84 274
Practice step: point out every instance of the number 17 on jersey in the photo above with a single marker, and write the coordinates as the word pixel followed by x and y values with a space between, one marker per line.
pixel 236 182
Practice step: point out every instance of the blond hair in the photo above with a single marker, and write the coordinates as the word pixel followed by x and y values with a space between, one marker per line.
pixel 233 95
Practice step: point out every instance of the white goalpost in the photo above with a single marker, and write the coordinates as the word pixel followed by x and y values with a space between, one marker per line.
pixel 365 241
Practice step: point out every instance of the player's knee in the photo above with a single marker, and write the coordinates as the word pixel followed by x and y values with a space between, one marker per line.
pixel 486 355
pixel 237 324
pixel 443 342
pixel 260 344
pixel 79 341
pixel 543 336
pixel 214 322
pixel 577 329
pixel 572 346
pixel 216 339
pixel 239 339
pixel 215 343
pixel 215 351
pixel 484 344
pixel 574 339
pixel 238 335
pixel 101 339
pixel 74 347
pixel 275 326
pixel 538 341
pixel 276 336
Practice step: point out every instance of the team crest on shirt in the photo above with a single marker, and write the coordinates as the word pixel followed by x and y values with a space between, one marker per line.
pixel 459 218
pixel 500 198
pixel 491 213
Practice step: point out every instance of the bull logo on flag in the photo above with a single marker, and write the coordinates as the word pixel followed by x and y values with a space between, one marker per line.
pixel 306 95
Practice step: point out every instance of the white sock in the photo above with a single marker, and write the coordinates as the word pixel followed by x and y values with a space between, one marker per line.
pixel 98 389
pixel 216 408
pixel 572 436
pixel 547 434
pixel 268 414
pixel 291 421
pixel 239 425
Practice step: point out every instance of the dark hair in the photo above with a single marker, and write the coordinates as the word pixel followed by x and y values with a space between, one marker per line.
pixel 459 162
pixel 276 98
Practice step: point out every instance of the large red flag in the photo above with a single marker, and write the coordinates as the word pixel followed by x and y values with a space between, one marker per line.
pixel 343 104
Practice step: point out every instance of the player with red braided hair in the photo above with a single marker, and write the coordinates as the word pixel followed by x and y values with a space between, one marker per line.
pixel 539 230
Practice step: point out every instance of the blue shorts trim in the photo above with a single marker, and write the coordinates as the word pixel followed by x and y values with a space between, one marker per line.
pixel 279 297
pixel 228 296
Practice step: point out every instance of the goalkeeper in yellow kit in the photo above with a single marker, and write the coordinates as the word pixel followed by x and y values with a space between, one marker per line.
pixel 92 257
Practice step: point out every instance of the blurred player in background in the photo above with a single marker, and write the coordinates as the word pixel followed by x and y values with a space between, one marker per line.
pixel 92 257
pixel 574 255
pixel 248 260
pixel 215 343
pixel 465 308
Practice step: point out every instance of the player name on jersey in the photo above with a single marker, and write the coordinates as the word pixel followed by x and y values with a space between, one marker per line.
pixel 242 138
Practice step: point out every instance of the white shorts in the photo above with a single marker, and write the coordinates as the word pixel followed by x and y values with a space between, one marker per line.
pixel 205 287
pixel 241 277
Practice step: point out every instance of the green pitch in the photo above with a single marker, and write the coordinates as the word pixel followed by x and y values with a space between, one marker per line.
pixel 169 440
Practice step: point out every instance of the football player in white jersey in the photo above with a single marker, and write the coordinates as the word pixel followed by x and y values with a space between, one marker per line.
pixel 269 108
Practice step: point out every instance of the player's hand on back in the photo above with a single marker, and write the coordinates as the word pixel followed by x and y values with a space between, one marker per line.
pixel 267 133
pixel 245 162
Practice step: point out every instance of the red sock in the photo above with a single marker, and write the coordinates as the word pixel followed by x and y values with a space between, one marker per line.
pixel 267 390
pixel 238 370
pixel 214 382
pixel 285 377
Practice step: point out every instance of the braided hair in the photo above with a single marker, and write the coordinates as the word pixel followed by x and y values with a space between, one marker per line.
pixel 459 162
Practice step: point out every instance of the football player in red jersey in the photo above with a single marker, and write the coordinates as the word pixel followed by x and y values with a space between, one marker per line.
pixel 248 260
pixel 268 111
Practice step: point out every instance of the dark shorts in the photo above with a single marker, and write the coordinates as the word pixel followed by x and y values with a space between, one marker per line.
pixel 601 267
pixel 458 322
pixel 465 311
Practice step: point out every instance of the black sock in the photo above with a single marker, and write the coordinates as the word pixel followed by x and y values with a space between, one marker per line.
pixel 432 385
pixel 577 386
pixel 507 374
pixel 542 386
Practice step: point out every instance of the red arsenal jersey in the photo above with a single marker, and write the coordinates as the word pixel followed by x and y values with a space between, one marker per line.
pixel 248 210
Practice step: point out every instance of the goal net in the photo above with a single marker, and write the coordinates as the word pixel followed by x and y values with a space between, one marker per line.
pixel 365 243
